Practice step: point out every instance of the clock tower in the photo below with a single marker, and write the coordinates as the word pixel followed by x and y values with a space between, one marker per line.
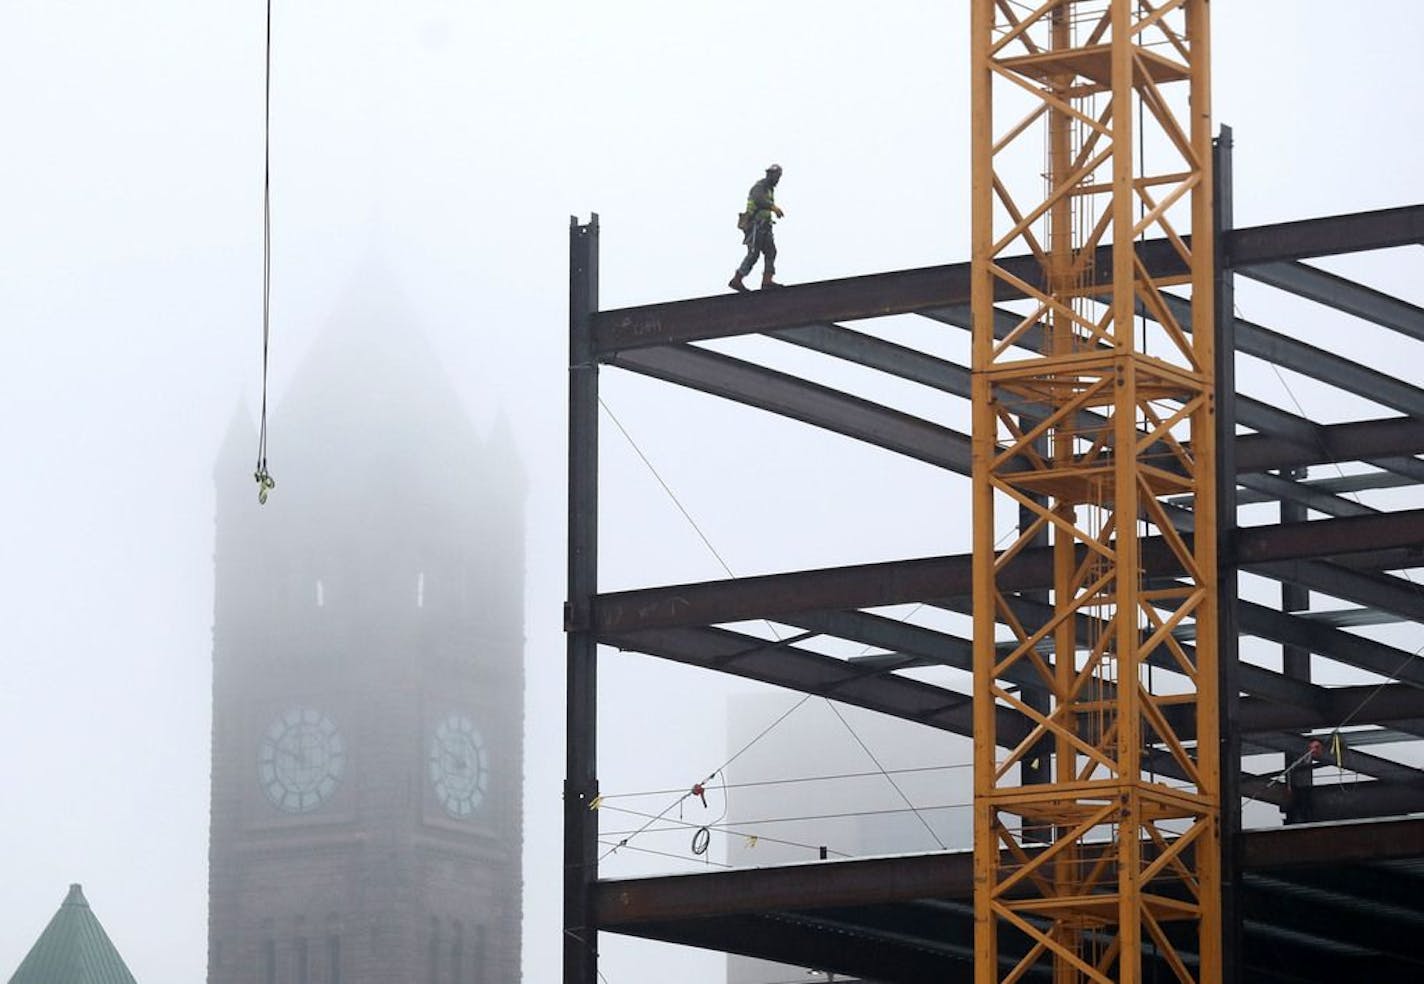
pixel 368 678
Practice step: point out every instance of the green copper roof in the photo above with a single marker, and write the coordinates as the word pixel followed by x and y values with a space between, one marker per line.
pixel 73 949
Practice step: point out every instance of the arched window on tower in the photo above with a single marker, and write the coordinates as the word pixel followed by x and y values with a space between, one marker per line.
pixel 434 951
pixel 303 961
pixel 480 958
pixel 457 955
pixel 333 949
pixel 333 958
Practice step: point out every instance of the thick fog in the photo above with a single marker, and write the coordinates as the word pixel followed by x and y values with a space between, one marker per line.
pixel 444 145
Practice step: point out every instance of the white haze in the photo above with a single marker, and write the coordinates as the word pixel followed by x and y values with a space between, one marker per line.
pixel 450 142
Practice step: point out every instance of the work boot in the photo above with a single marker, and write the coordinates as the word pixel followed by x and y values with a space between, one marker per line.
pixel 736 283
pixel 766 281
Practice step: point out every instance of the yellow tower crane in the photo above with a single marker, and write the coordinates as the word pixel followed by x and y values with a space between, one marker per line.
pixel 1093 405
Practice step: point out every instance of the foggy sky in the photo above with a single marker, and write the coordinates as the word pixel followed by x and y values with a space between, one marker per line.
pixel 450 142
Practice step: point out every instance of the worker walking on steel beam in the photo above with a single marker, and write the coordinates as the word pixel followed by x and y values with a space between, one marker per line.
pixel 756 225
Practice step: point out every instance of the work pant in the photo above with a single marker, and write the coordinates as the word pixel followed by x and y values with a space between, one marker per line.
pixel 761 242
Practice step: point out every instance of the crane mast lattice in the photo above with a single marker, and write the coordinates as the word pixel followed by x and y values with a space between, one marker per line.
pixel 1097 838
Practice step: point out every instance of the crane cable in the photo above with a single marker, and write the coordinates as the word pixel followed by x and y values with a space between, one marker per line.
pixel 265 482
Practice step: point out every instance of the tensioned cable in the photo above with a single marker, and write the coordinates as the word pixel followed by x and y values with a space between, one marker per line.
pixel 732 829
pixel 678 802
pixel 786 782
pixel 1393 677
pixel 841 815
pixel 666 488
pixel 859 741
pixel 573 935
pixel 668 854
pixel 265 483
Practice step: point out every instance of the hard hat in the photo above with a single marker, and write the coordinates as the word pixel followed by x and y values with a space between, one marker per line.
pixel 774 167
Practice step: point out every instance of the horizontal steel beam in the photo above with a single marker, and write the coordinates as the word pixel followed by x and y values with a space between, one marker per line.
pixel 1343 295
pixel 861 881
pixel 780 393
pixel 1328 236
pixel 1328 538
pixel 1363 440
pixel 620 903
pixel 1333 845
pixel 905 291
pixel 1363 704
pixel 783 664
pixel 933 578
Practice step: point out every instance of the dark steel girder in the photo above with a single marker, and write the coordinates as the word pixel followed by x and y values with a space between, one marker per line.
pixel 1375 881
pixel 906 291
pixel 877 353
pixel 1363 800
pixel 1361 440
pixel 1317 363
pixel 1255 340
pixel 806 944
pixel 1382 591
pixel 1272 488
pixel 784 665
pixel 932 579
pixel 1362 704
pixel 917 645
pixel 916 907
pixel 1330 489
pixel 1343 295
pixel 1328 236
pixel 1328 538
pixel 1311 845
pixel 735 379
pixel 1332 919
pixel 1316 851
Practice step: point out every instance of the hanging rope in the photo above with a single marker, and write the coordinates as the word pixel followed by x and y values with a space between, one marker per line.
pixel 265 482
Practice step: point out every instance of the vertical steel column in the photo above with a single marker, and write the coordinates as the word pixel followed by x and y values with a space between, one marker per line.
pixel 581 719
pixel 1295 663
pixel 1228 635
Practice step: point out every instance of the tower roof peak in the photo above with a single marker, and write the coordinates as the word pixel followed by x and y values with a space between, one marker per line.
pixel 73 949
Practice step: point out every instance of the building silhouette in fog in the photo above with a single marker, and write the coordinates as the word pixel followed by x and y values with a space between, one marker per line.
pixel 368 677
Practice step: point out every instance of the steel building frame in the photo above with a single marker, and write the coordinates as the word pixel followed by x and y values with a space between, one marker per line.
pixel 909 920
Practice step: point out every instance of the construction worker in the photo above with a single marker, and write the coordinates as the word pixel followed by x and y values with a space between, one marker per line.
pixel 755 223
pixel 1299 806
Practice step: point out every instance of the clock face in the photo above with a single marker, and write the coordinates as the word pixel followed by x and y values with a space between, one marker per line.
pixel 459 766
pixel 301 760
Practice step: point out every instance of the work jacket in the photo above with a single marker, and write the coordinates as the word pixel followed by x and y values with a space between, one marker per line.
pixel 761 201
